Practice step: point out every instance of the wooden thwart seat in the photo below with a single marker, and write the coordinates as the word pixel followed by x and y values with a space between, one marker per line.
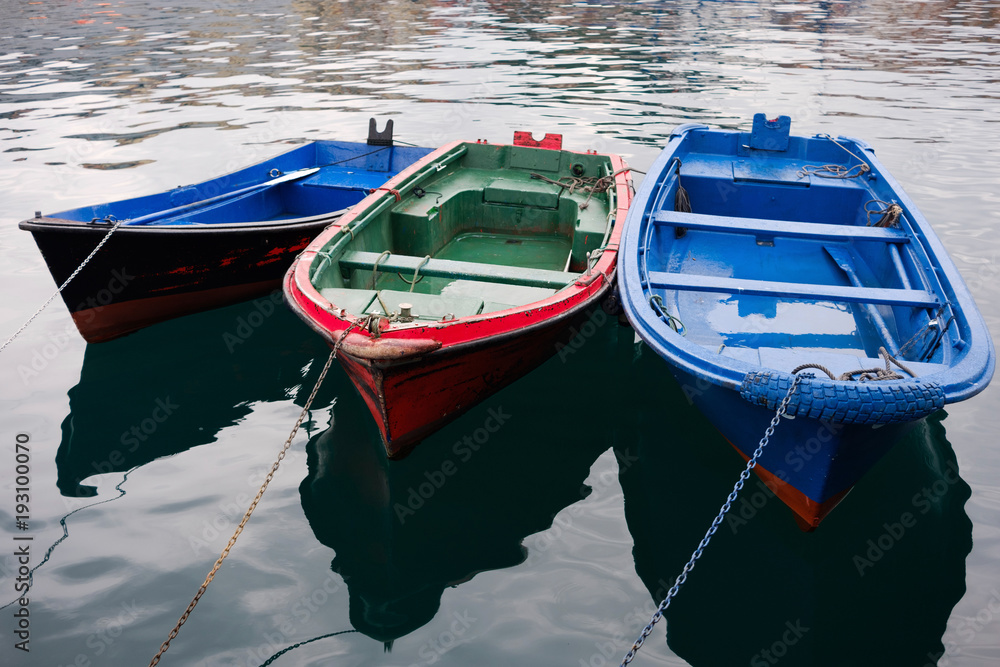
pixel 778 228
pixel 447 268
pixel 839 293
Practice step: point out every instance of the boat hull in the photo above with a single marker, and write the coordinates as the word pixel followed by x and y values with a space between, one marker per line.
pixel 416 376
pixel 809 464
pixel 207 245
pixel 145 275
pixel 411 399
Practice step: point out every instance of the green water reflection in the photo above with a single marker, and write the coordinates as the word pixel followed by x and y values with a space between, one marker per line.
pixel 878 579
pixel 208 369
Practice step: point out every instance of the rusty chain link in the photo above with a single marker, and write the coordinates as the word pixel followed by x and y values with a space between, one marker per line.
pixel 246 517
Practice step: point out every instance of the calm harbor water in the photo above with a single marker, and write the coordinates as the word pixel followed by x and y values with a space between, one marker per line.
pixel 550 540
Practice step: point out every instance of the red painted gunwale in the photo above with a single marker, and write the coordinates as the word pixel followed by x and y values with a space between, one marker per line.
pixel 375 364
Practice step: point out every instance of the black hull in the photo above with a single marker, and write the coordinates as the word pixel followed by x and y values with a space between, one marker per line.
pixel 148 274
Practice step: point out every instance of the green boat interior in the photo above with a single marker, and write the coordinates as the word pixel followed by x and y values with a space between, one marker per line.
pixel 481 229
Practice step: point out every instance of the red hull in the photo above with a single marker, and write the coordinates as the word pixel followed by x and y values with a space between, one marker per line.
pixel 416 379
pixel 412 399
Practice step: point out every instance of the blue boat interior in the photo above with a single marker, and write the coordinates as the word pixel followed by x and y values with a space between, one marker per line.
pixel 268 191
pixel 778 263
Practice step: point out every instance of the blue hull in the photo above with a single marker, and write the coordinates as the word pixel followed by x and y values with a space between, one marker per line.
pixel 748 257
pixel 809 464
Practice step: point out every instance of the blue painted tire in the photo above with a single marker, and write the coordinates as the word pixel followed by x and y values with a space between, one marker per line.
pixel 880 402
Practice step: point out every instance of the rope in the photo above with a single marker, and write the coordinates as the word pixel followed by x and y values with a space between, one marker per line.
pixel 325 261
pixel 416 274
pixel 832 170
pixel 602 185
pixel 726 506
pixel 385 253
pixel 589 184
pixel 385 308
pixel 414 282
pixel 63 286
pixel 674 322
pixel 253 505
pixel 682 200
pixel 395 193
pixel 835 170
pixel 356 157
pixel 890 214
pixel 866 374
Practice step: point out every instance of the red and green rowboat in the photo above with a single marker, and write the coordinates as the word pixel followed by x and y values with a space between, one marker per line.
pixel 460 275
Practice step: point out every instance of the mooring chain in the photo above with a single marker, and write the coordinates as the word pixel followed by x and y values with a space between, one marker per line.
pixel 303 643
pixel 744 476
pixel 38 312
pixel 253 505
pixel 370 323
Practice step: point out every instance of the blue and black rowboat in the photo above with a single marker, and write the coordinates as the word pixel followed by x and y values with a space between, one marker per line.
pixel 211 244
pixel 750 257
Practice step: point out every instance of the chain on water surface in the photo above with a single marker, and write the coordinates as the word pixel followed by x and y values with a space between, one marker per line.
pixel 697 553
pixel 63 286
pixel 246 517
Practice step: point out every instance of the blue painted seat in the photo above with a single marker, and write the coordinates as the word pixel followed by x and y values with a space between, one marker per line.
pixel 846 294
pixel 757 226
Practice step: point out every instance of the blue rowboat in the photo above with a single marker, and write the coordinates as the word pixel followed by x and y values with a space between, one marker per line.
pixel 202 246
pixel 748 257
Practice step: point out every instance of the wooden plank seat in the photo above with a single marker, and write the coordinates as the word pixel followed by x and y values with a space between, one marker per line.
pixel 778 228
pixel 447 268
pixel 839 293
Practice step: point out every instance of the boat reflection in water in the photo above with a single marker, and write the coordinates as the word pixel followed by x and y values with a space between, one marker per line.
pixel 875 584
pixel 174 386
pixel 461 503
